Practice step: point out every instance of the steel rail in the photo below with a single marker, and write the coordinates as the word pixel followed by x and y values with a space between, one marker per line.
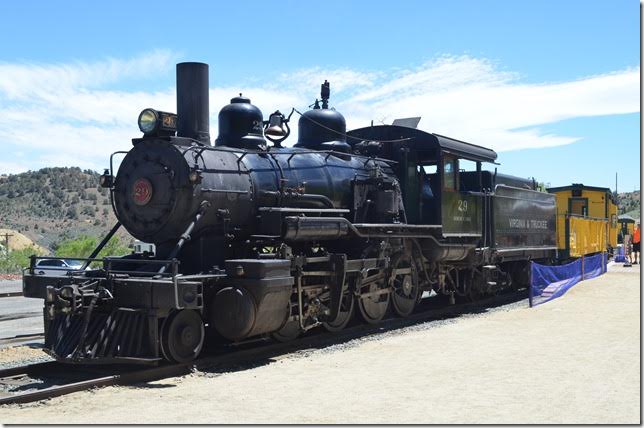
pixel 11 294
pixel 27 370
pixel 20 338
pixel 53 369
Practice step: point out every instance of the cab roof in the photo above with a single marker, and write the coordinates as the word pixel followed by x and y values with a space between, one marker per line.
pixel 422 142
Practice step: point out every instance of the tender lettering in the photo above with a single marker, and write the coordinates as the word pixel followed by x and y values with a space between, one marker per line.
pixel 522 223
pixel 517 223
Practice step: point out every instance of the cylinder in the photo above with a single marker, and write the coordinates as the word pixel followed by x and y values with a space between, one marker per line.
pixel 192 101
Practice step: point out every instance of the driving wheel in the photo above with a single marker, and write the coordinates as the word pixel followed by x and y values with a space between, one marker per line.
pixel 405 285
pixel 374 302
pixel 345 314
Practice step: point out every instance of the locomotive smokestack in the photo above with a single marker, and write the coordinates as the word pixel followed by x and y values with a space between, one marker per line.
pixel 192 101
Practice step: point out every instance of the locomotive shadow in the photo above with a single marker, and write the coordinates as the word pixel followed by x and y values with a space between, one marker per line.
pixel 430 310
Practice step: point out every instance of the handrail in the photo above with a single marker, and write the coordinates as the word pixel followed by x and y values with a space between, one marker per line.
pixel 107 263
pixel 245 152
pixel 568 215
pixel 112 156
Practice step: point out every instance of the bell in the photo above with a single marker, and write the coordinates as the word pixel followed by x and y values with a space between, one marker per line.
pixel 275 125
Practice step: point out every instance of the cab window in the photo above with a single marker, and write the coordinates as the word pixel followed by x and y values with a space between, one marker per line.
pixel 450 169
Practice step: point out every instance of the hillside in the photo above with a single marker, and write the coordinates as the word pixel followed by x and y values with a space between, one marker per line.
pixel 629 203
pixel 16 241
pixel 54 204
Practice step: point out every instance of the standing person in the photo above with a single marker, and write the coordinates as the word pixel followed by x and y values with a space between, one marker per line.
pixel 636 242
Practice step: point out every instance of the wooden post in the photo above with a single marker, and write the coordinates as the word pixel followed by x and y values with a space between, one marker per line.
pixel 530 285
pixel 582 268
pixel 6 243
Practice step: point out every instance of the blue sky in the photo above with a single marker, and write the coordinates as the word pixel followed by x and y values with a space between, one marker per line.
pixel 553 86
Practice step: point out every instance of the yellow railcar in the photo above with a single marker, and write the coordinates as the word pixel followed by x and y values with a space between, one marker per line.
pixel 586 219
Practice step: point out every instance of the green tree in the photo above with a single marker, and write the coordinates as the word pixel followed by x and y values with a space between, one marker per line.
pixel 84 245
pixel 14 261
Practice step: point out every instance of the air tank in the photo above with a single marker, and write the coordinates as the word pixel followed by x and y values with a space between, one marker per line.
pixel 241 125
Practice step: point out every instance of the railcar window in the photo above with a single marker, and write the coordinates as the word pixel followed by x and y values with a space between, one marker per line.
pixel 579 206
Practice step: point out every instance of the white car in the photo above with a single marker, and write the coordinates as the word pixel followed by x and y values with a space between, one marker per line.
pixel 56 266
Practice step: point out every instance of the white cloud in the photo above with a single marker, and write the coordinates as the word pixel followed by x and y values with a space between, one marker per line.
pixel 78 113
pixel 469 99
pixel 20 81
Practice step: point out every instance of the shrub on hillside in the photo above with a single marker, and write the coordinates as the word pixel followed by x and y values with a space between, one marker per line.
pixel 16 260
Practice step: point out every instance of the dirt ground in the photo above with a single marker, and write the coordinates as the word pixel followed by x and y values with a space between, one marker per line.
pixel 573 360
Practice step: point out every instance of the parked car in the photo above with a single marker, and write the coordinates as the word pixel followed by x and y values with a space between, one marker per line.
pixel 144 248
pixel 56 266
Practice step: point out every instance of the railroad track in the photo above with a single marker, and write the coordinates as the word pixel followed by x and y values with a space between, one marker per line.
pixel 57 379
pixel 52 379
pixel 21 339
pixel 10 294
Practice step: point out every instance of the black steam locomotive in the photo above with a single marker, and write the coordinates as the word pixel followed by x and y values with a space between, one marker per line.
pixel 257 239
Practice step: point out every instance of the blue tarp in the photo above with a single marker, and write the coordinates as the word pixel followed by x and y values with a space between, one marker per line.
pixel 550 282
pixel 594 266
pixel 619 255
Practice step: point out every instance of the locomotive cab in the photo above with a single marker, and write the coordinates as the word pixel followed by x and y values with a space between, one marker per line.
pixel 444 186
pixel 435 189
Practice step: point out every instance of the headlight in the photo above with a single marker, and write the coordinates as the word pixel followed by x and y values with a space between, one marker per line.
pixel 148 120
pixel 154 122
